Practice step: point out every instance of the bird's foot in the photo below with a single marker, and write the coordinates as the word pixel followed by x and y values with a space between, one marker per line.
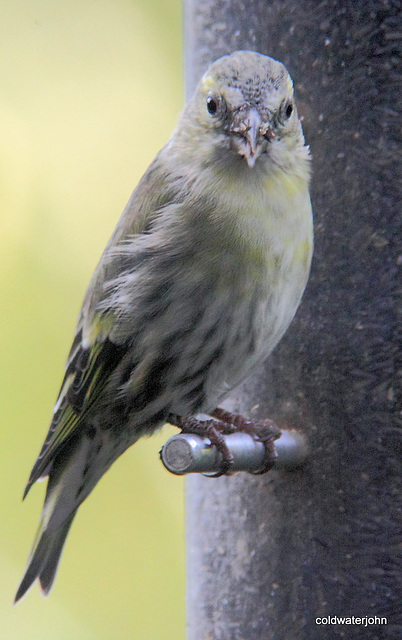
pixel 265 431
pixel 224 423
pixel 211 429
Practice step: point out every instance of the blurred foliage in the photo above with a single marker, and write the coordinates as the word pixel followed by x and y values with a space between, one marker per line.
pixel 90 92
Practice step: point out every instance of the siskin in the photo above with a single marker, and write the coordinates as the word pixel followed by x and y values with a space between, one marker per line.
pixel 200 279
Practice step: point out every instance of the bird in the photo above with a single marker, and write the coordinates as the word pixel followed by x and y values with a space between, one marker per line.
pixel 200 280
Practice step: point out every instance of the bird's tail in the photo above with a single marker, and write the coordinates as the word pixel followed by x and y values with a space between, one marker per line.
pixel 44 558
pixel 63 497
pixel 73 473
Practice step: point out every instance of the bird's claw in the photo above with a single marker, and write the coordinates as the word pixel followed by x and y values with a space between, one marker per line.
pixel 225 423
pixel 265 431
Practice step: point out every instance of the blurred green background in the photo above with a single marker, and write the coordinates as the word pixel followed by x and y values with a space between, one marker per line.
pixel 89 93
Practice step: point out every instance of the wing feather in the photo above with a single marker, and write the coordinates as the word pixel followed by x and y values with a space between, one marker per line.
pixel 79 392
pixel 96 351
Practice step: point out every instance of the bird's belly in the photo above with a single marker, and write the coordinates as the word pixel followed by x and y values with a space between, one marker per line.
pixel 249 329
pixel 231 305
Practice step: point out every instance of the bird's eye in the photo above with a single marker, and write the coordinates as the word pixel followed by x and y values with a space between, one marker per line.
pixel 212 105
pixel 289 110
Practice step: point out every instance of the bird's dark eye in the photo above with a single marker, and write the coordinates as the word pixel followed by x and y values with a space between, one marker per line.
pixel 289 110
pixel 212 105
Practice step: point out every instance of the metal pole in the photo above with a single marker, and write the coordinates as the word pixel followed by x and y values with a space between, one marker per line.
pixel 268 555
pixel 189 453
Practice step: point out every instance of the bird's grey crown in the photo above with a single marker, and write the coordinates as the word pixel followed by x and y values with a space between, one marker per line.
pixel 266 74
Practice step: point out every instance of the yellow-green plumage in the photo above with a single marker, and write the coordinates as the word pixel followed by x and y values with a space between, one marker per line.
pixel 198 283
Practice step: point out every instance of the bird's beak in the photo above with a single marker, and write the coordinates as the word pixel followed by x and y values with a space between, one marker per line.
pixel 247 134
pixel 253 123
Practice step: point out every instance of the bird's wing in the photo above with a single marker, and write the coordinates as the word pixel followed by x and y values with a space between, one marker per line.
pixel 96 352
pixel 86 375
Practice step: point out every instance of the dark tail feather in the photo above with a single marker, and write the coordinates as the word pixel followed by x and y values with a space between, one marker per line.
pixel 49 570
pixel 44 559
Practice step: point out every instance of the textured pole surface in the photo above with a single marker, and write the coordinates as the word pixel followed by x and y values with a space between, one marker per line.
pixel 269 554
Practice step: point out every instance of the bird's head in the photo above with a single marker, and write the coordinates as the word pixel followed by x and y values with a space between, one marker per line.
pixel 245 103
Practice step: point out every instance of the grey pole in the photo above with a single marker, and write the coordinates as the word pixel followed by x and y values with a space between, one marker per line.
pixel 268 555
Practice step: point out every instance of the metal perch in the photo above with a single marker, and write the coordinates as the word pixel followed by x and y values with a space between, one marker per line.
pixel 188 453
